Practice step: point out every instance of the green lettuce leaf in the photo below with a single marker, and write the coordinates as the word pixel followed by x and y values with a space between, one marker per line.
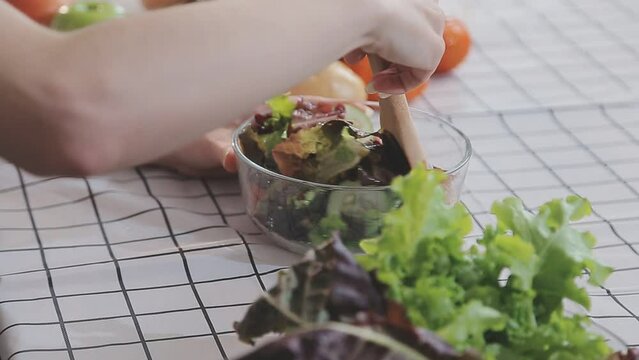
pixel 504 295
pixel 281 106
pixel 259 146
pixel 471 323
pixel 420 249
pixel 562 337
pixel 343 156
pixel 562 252
pixel 267 142
pixel 326 228
pixel 321 154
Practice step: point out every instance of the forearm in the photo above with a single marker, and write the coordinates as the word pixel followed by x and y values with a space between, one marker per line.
pixel 143 86
pixel 162 79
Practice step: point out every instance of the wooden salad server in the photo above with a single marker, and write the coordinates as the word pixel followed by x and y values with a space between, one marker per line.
pixel 395 118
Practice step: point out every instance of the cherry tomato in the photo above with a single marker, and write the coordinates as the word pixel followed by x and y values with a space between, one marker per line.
pixel 458 42
pixel 41 11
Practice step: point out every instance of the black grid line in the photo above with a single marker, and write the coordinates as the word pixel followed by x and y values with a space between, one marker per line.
pixel 508 76
pixel 610 316
pixel 29 184
pixel 488 167
pixel 115 244
pixel 87 224
pixel 618 126
pixel 185 264
pixel 87 198
pixel 123 343
pixel 535 132
pixel 118 271
pixel 97 194
pixel 587 149
pixel 576 165
pixel 497 176
pixel 631 12
pixel 246 245
pixel 116 260
pixel 546 187
pixel 630 293
pixel 541 59
pixel 551 149
pixel 473 94
pixel 144 288
pixel 52 291
pixel 612 36
pixel 528 110
pixel 626 269
pixel 474 217
pixel 125 242
pixel 120 181
pixel 132 315
pixel 614 297
pixel 632 243
pixel 560 34
pixel 598 220
pixel 594 203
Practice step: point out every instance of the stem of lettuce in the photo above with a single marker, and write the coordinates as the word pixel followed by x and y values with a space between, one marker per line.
pixel 375 337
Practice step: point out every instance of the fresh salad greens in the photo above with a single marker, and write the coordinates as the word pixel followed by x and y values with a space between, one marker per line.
pixel 332 308
pixel 419 292
pixel 504 295
pixel 321 142
pixel 324 142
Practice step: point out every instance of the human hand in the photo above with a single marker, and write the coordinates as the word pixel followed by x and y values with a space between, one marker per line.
pixel 212 155
pixel 410 36
pixel 209 156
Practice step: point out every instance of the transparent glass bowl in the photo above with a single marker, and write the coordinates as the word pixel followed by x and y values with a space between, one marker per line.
pixel 290 211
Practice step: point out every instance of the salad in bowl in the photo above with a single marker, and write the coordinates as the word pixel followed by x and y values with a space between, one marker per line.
pixel 309 166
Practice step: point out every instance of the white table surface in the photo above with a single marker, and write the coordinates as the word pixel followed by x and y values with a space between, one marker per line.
pixel 145 264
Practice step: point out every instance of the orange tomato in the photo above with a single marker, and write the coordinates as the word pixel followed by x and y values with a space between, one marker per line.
pixel 363 69
pixel 41 11
pixel 457 39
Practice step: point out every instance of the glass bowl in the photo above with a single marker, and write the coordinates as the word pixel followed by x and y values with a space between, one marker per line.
pixel 293 212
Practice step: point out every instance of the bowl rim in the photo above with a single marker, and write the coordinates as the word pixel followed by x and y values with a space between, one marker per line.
pixel 237 148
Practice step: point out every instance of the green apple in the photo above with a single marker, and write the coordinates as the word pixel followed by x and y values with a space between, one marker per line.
pixel 85 13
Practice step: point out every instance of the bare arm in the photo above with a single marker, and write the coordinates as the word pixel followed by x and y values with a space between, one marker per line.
pixel 125 92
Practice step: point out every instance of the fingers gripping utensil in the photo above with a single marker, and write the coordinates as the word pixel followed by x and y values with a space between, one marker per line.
pixel 395 118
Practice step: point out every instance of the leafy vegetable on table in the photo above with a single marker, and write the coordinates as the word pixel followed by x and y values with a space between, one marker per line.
pixel 424 294
pixel 334 309
pixel 459 293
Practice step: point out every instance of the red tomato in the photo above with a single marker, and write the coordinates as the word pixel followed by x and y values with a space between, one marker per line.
pixel 41 11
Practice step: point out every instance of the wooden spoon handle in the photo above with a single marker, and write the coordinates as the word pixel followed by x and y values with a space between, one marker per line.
pixel 395 118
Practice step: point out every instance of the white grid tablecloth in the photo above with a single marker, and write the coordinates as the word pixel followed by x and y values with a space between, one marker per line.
pixel 145 264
